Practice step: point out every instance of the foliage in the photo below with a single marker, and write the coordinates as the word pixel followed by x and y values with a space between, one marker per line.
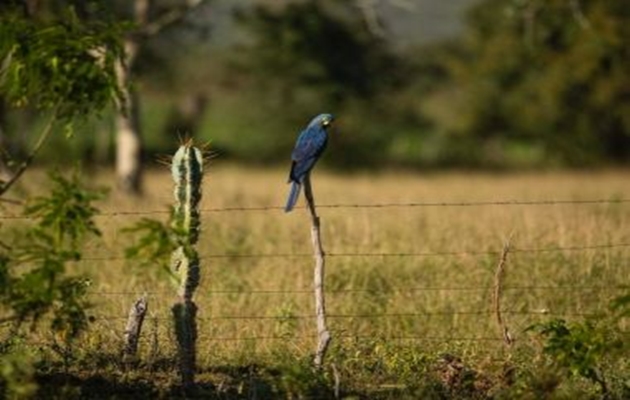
pixel 582 348
pixel 33 261
pixel 153 243
pixel 68 212
pixel 296 44
pixel 60 64
pixel 16 374
pixel 66 63
pixel 311 55
pixel 546 74
pixel 528 83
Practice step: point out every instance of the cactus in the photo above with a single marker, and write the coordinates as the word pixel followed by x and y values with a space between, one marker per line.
pixel 187 170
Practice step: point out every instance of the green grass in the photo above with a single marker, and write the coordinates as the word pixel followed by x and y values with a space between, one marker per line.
pixel 392 318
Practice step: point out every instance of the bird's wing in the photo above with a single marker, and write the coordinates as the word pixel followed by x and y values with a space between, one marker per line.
pixel 310 144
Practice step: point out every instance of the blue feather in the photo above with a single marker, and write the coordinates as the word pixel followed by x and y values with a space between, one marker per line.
pixel 293 196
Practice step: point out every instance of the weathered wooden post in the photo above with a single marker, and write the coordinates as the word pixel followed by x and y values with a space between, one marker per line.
pixel 323 335
pixel 187 170
pixel 134 328
pixel 498 288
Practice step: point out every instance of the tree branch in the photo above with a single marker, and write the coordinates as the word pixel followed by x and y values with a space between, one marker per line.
pixel 578 14
pixel 170 18
pixel 371 18
pixel 4 187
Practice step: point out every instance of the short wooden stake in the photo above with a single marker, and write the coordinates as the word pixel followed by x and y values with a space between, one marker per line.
pixel 498 286
pixel 134 327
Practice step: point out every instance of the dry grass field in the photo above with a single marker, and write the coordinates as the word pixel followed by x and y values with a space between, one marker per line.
pixel 405 282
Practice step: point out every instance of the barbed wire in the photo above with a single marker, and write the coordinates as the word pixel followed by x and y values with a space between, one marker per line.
pixel 366 315
pixel 371 337
pixel 386 338
pixel 211 292
pixel 481 203
pixel 356 337
pixel 43 343
pixel 383 254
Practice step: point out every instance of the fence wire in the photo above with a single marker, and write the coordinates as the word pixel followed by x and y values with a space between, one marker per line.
pixel 375 316
pixel 481 203
pixel 211 292
pixel 454 253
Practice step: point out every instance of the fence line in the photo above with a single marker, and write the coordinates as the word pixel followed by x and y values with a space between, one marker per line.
pixel 399 254
pixel 365 315
pixel 349 336
pixel 375 316
pixel 395 290
pixel 481 203
pixel 42 343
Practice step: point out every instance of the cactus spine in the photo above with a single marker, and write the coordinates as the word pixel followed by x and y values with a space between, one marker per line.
pixel 187 170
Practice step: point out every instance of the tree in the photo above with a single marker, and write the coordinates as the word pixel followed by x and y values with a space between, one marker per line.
pixel 61 66
pixel 142 20
pixel 312 56
pixel 552 74
pixel 149 17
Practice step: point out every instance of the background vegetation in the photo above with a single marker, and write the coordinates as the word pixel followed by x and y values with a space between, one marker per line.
pixel 521 84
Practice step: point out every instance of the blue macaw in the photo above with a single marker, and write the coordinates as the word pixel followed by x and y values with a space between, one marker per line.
pixel 308 148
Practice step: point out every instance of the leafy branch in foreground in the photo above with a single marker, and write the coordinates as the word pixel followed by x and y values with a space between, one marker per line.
pixel 34 285
pixel 154 242
pixel 583 348
pixel 33 261
pixel 66 66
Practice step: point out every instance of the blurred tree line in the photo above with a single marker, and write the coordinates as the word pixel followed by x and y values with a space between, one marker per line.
pixel 527 83
pixel 552 76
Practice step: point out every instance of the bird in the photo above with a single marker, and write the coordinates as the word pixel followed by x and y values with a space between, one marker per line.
pixel 310 145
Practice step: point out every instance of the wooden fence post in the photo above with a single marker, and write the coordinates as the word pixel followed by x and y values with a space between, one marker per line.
pixel 499 276
pixel 134 327
pixel 323 335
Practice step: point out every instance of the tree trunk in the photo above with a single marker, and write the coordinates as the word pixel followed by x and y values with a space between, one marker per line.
pixel 128 136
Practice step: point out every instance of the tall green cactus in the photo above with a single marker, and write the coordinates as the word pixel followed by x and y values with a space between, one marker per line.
pixel 187 170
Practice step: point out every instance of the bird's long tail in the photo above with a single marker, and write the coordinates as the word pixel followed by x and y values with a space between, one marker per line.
pixel 293 196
